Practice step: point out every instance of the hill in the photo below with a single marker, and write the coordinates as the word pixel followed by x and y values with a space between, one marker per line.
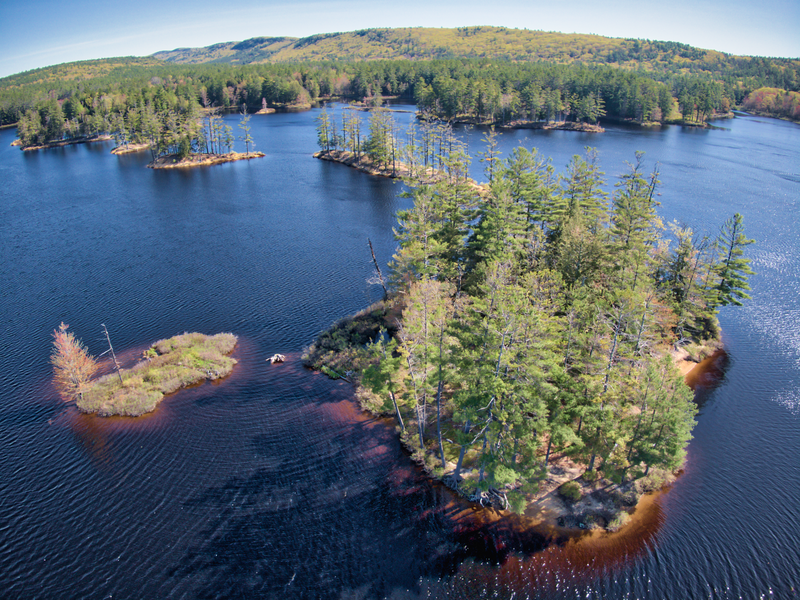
pixel 254 50
pixel 80 71
pixel 484 73
pixel 421 43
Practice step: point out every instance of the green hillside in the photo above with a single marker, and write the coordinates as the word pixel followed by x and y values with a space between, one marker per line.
pixel 489 43
pixel 486 74
pixel 83 70
pixel 254 50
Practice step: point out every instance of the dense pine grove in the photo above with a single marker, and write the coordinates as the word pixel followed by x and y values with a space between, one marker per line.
pixel 538 313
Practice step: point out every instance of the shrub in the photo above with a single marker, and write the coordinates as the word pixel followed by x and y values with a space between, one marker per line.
pixel 615 475
pixel 371 402
pixel 655 480
pixel 570 491
pixel 517 502
pixel 619 521
pixel 329 372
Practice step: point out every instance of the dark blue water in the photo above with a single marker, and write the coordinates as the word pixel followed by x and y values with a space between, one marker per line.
pixel 271 483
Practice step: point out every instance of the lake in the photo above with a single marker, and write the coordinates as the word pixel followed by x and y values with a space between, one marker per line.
pixel 272 483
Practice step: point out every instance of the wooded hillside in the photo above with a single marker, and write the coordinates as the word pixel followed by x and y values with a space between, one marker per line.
pixel 421 43
pixel 487 74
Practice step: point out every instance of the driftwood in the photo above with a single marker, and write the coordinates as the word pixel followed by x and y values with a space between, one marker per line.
pixel 492 497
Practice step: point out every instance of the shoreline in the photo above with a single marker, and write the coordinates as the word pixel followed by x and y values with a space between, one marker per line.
pixel 750 112
pixel 363 163
pixel 519 124
pixel 171 161
pixel 62 143
pixel 688 358
pixel 401 170
pixel 130 148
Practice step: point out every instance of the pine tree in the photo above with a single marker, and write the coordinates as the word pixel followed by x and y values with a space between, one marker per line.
pixel 382 376
pixel 634 224
pixel 323 131
pixel 732 269
pixel 244 125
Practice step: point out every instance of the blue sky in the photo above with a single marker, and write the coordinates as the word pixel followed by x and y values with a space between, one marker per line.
pixel 39 33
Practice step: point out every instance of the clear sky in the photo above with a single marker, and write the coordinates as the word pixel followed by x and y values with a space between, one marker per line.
pixel 39 33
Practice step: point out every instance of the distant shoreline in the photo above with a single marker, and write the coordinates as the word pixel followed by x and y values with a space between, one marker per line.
pixel 130 148
pixel 173 161
pixel 61 143
pixel 521 124
pixel 554 126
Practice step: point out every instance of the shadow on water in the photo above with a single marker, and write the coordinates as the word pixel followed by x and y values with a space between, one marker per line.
pixel 281 531
pixel 708 375
pixel 334 506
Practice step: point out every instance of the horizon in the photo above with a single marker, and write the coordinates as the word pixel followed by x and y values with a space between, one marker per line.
pixel 99 30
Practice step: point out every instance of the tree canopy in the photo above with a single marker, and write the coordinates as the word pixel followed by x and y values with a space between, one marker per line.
pixel 538 319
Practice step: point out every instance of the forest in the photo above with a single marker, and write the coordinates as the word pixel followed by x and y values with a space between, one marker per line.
pixel 774 102
pixel 533 315
pixel 164 110
pixel 516 76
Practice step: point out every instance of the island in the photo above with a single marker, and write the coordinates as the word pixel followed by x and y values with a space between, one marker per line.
pixel 554 126
pixel 530 345
pixel 167 366
pixel 174 161
pixel 41 145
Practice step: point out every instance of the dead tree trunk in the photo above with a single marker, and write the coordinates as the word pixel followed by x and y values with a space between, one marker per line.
pixel 113 356
pixel 378 269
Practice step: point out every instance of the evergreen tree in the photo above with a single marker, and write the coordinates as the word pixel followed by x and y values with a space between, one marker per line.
pixel 635 225
pixel 244 125
pixel 732 269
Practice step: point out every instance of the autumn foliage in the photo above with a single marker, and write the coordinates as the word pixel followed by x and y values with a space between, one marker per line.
pixel 73 367
pixel 774 102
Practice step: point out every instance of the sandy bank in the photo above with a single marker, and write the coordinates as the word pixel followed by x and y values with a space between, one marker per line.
pixel 687 358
